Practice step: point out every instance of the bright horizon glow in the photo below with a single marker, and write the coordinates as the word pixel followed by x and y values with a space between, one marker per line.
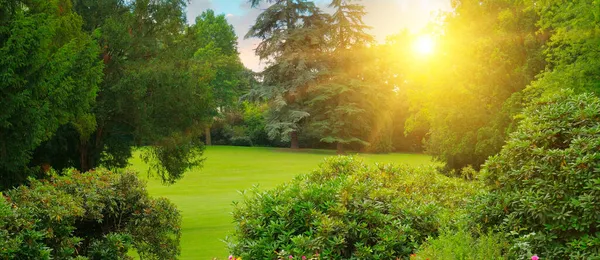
pixel 424 45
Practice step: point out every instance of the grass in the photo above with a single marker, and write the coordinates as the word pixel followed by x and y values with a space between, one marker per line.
pixel 204 196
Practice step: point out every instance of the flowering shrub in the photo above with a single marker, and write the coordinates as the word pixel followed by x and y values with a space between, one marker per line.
pixel 345 210
pixel 97 214
pixel 546 180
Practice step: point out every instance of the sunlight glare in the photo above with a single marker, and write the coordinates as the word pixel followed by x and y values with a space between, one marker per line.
pixel 424 44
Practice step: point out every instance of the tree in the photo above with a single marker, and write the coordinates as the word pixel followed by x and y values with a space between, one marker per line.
pixel 292 34
pixel 50 75
pixel 403 72
pixel 574 61
pixel 343 101
pixel 215 45
pixel 488 51
pixel 154 93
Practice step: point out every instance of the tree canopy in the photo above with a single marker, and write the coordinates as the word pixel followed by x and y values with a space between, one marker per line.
pixel 50 76
pixel 292 34
pixel 88 81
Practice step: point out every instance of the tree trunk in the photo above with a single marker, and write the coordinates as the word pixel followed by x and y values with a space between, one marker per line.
pixel 207 135
pixel 294 137
pixel 340 148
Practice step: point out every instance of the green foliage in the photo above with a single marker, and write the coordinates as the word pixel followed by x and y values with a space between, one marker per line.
pixel 348 210
pixel 545 180
pixel 494 51
pixel 114 246
pixel 244 121
pixel 462 245
pixel 214 45
pixel 292 34
pixel 95 214
pixel 342 103
pixel 162 82
pixel 49 76
pixel 572 51
pixel 241 141
pixel 254 120
pixel 174 157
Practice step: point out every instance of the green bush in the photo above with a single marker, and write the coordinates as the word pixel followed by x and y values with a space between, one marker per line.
pixel 462 245
pixel 348 210
pixel 96 214
pixel 241 141
pixel 546 180
pixel 254 121
pixel 114 246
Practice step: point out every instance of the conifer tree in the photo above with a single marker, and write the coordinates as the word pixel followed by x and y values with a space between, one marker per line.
pixel 345 100
pixel 292 34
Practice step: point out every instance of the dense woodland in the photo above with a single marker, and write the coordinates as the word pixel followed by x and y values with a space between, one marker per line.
pixel 507 103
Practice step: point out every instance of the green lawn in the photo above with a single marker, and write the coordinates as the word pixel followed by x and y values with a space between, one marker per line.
pixel 205 196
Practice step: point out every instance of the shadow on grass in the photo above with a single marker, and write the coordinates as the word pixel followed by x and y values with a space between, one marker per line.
pixel 312 151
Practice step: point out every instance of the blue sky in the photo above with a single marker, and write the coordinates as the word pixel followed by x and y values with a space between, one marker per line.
pixel 385 16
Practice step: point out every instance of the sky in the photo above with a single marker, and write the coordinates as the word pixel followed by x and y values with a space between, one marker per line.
pixel 385 16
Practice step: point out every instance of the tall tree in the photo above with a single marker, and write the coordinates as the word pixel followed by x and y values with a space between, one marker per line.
pixel 345 98
pixel 292 34
pixel 49 77
pixel 215 45
pixel 152 94
pixel 488 51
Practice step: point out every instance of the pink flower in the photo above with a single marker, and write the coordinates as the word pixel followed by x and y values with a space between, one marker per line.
pixel 303 257
pixel 535 257
pixel 290 257
pixel 230 257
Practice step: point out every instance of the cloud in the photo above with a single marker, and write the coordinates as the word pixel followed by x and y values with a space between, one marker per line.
pixel 242 24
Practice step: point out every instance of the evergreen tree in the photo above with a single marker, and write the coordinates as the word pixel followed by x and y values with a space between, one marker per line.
pixel 292 34
pixel 49 74
pixel 344 101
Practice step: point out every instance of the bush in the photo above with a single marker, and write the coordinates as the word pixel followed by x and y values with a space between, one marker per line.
pixel 96 214
pixel 346 209
pixel 241 141
pixel 545 181
pixel 254 121
pixel 462 245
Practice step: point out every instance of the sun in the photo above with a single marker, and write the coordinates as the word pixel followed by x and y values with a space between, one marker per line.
pixel 424 45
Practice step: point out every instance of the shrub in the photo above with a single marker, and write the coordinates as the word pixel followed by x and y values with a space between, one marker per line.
pixel 241 141
pixel 94 214
pixel 545 181
pixel 462 245
pixel 254 120
pixel 346 209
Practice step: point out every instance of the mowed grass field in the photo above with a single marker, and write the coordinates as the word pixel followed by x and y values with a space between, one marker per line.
pixel 204 196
